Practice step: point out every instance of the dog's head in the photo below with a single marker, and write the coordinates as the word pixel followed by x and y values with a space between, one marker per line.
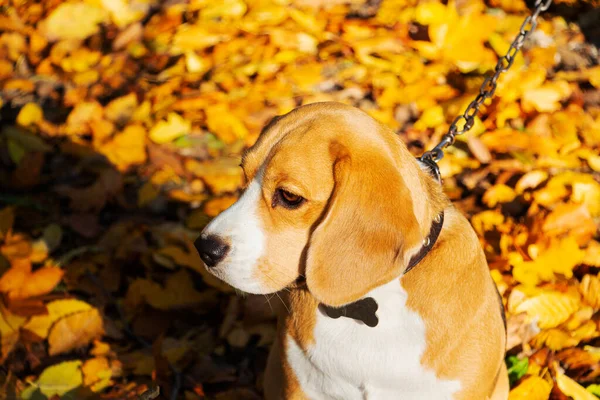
pixel 331 195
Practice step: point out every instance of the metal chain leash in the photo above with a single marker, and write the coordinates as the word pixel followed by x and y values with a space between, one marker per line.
pixel 464 122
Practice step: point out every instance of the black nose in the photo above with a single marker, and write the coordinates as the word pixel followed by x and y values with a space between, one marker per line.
pixel 211 249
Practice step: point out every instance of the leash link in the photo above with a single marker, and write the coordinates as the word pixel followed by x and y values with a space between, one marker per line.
pixel 465 122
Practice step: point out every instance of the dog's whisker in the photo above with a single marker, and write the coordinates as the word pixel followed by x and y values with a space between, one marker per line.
pixel 269 302
pixel 283 302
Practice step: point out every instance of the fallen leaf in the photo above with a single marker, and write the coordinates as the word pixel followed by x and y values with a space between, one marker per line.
pixel 571 388
pixel 590 289
pixel 560 258
pixel 549 309
pixel 57 309
pixel 167 131
pixel 179 292
pixel 73 21
pixel 30 114
pixel 74 330
pixel 498 194
pixel 97 373
pixel 40 282
pixel 127 148
pixel 532 388
pixel 574 219
pixel 9 331
pixel 121 109
pixel 56 380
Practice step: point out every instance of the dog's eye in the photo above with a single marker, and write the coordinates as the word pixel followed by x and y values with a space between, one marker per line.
pixel 287 199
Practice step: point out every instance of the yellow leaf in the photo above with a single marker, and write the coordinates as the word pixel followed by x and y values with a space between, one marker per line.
pixel 221 176
pixel 546 98
pixel 169 130
pixel 40 324
pixel 125 12
pixel 40 282
pixel 195 37
pixel 224 9
pixel 9 331
pixel 56 380
pixel 586 331
pixel 499 193
pixel 431 118
pixel 571 388
pixel 532 388
pixel 179 292
pixel 75 20
pixel 590 290
pixel 486 221
pixel 588 193
pixel 80 118
pixel 560 258
pixel 126 148
pixel 549 309
pixel 97 373
pixel 592 254
pixel 554 339
pixel 574 219
pixel 431 12
pixel 530 180
pixel 579 318
pixel 30 114
pixel 75 330
pixel 594 74
pixel 213 207
pixel 196 64
pixel 121 109
pixel 222 122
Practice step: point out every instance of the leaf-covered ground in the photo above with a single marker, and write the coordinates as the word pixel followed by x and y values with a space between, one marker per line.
pixel 122 122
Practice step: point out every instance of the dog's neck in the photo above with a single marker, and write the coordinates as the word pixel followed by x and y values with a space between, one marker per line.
pixel 365 309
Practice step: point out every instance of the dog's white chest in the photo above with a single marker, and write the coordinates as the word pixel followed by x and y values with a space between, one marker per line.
pixel 350 360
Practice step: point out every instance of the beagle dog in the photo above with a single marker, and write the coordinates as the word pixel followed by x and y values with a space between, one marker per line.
pixel 388 292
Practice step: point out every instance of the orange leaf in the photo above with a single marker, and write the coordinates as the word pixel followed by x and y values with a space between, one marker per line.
pixel 40 282
pixel 13 278
pixel 74 331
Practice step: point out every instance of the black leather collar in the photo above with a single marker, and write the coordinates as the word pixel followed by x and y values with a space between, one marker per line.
pixel 365 309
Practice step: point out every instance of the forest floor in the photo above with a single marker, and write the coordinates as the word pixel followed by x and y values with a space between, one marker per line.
pixel 121 128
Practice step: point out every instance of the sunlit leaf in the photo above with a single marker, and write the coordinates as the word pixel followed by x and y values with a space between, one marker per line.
pixel 590 289
pixel 169 130
pixel 549 309
pixel 532 388
pixel 57 379
pixel 30 114
pixel 571 388
pixel 40 325
pixel 73 21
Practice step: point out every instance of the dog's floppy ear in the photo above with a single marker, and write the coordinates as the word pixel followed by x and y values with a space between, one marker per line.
pixel 367 227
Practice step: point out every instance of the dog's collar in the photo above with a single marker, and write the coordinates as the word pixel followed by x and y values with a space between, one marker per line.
pixel 365 309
